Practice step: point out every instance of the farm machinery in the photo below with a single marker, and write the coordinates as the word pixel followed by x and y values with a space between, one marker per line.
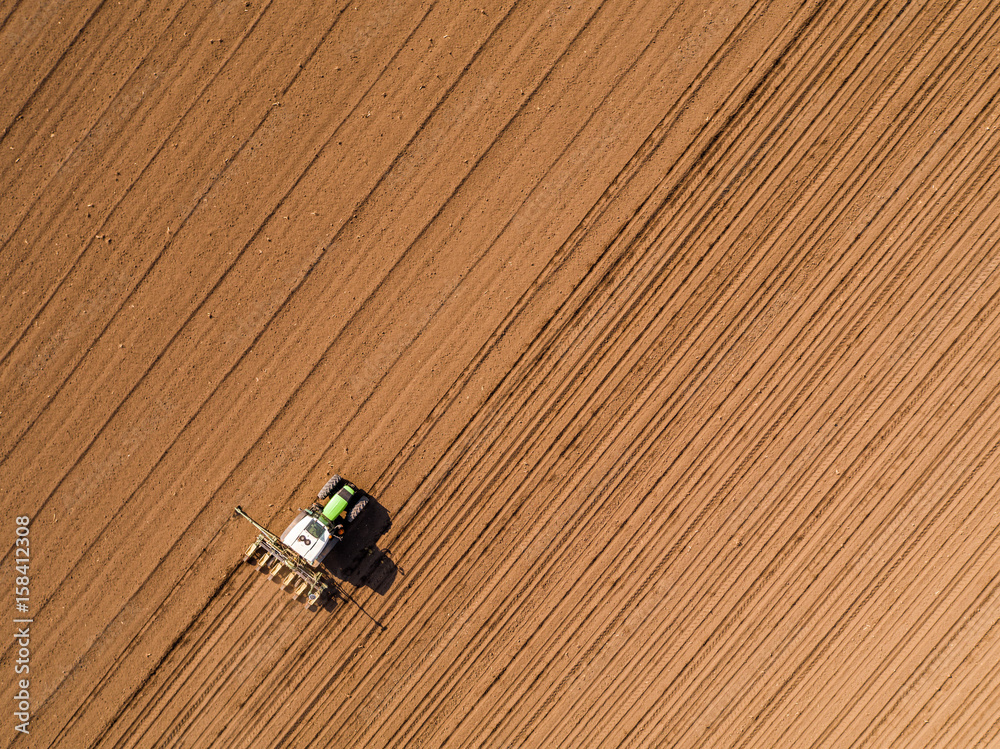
pixel 296 557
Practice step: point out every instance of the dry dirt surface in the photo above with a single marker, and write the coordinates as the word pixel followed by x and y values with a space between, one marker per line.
pixel 663 334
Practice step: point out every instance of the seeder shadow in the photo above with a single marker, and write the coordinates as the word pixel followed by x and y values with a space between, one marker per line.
pixel 357 559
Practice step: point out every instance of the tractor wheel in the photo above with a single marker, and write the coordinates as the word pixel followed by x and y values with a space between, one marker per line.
pixel 329 486
pixel 355 512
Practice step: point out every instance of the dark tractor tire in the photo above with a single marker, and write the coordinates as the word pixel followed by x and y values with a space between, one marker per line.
pixel 355 512
pixel 328 487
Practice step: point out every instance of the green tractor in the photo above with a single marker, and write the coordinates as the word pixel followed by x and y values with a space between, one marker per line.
pixel 296 556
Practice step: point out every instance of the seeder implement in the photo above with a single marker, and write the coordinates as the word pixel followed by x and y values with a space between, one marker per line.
pixel 270 555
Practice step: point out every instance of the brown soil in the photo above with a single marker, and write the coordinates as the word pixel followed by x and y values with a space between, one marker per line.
pixel 664 337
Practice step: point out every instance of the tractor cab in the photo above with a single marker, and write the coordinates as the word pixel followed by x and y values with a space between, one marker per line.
pixel 315 531
pixel 309 537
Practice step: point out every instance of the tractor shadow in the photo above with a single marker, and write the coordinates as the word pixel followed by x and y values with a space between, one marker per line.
pixel 357 559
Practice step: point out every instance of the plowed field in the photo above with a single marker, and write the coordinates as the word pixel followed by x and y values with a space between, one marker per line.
pixel 663 334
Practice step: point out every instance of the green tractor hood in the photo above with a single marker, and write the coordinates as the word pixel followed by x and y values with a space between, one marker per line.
pixel 337 503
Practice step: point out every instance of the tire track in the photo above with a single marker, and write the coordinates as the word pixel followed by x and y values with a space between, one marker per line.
pixel 89 16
